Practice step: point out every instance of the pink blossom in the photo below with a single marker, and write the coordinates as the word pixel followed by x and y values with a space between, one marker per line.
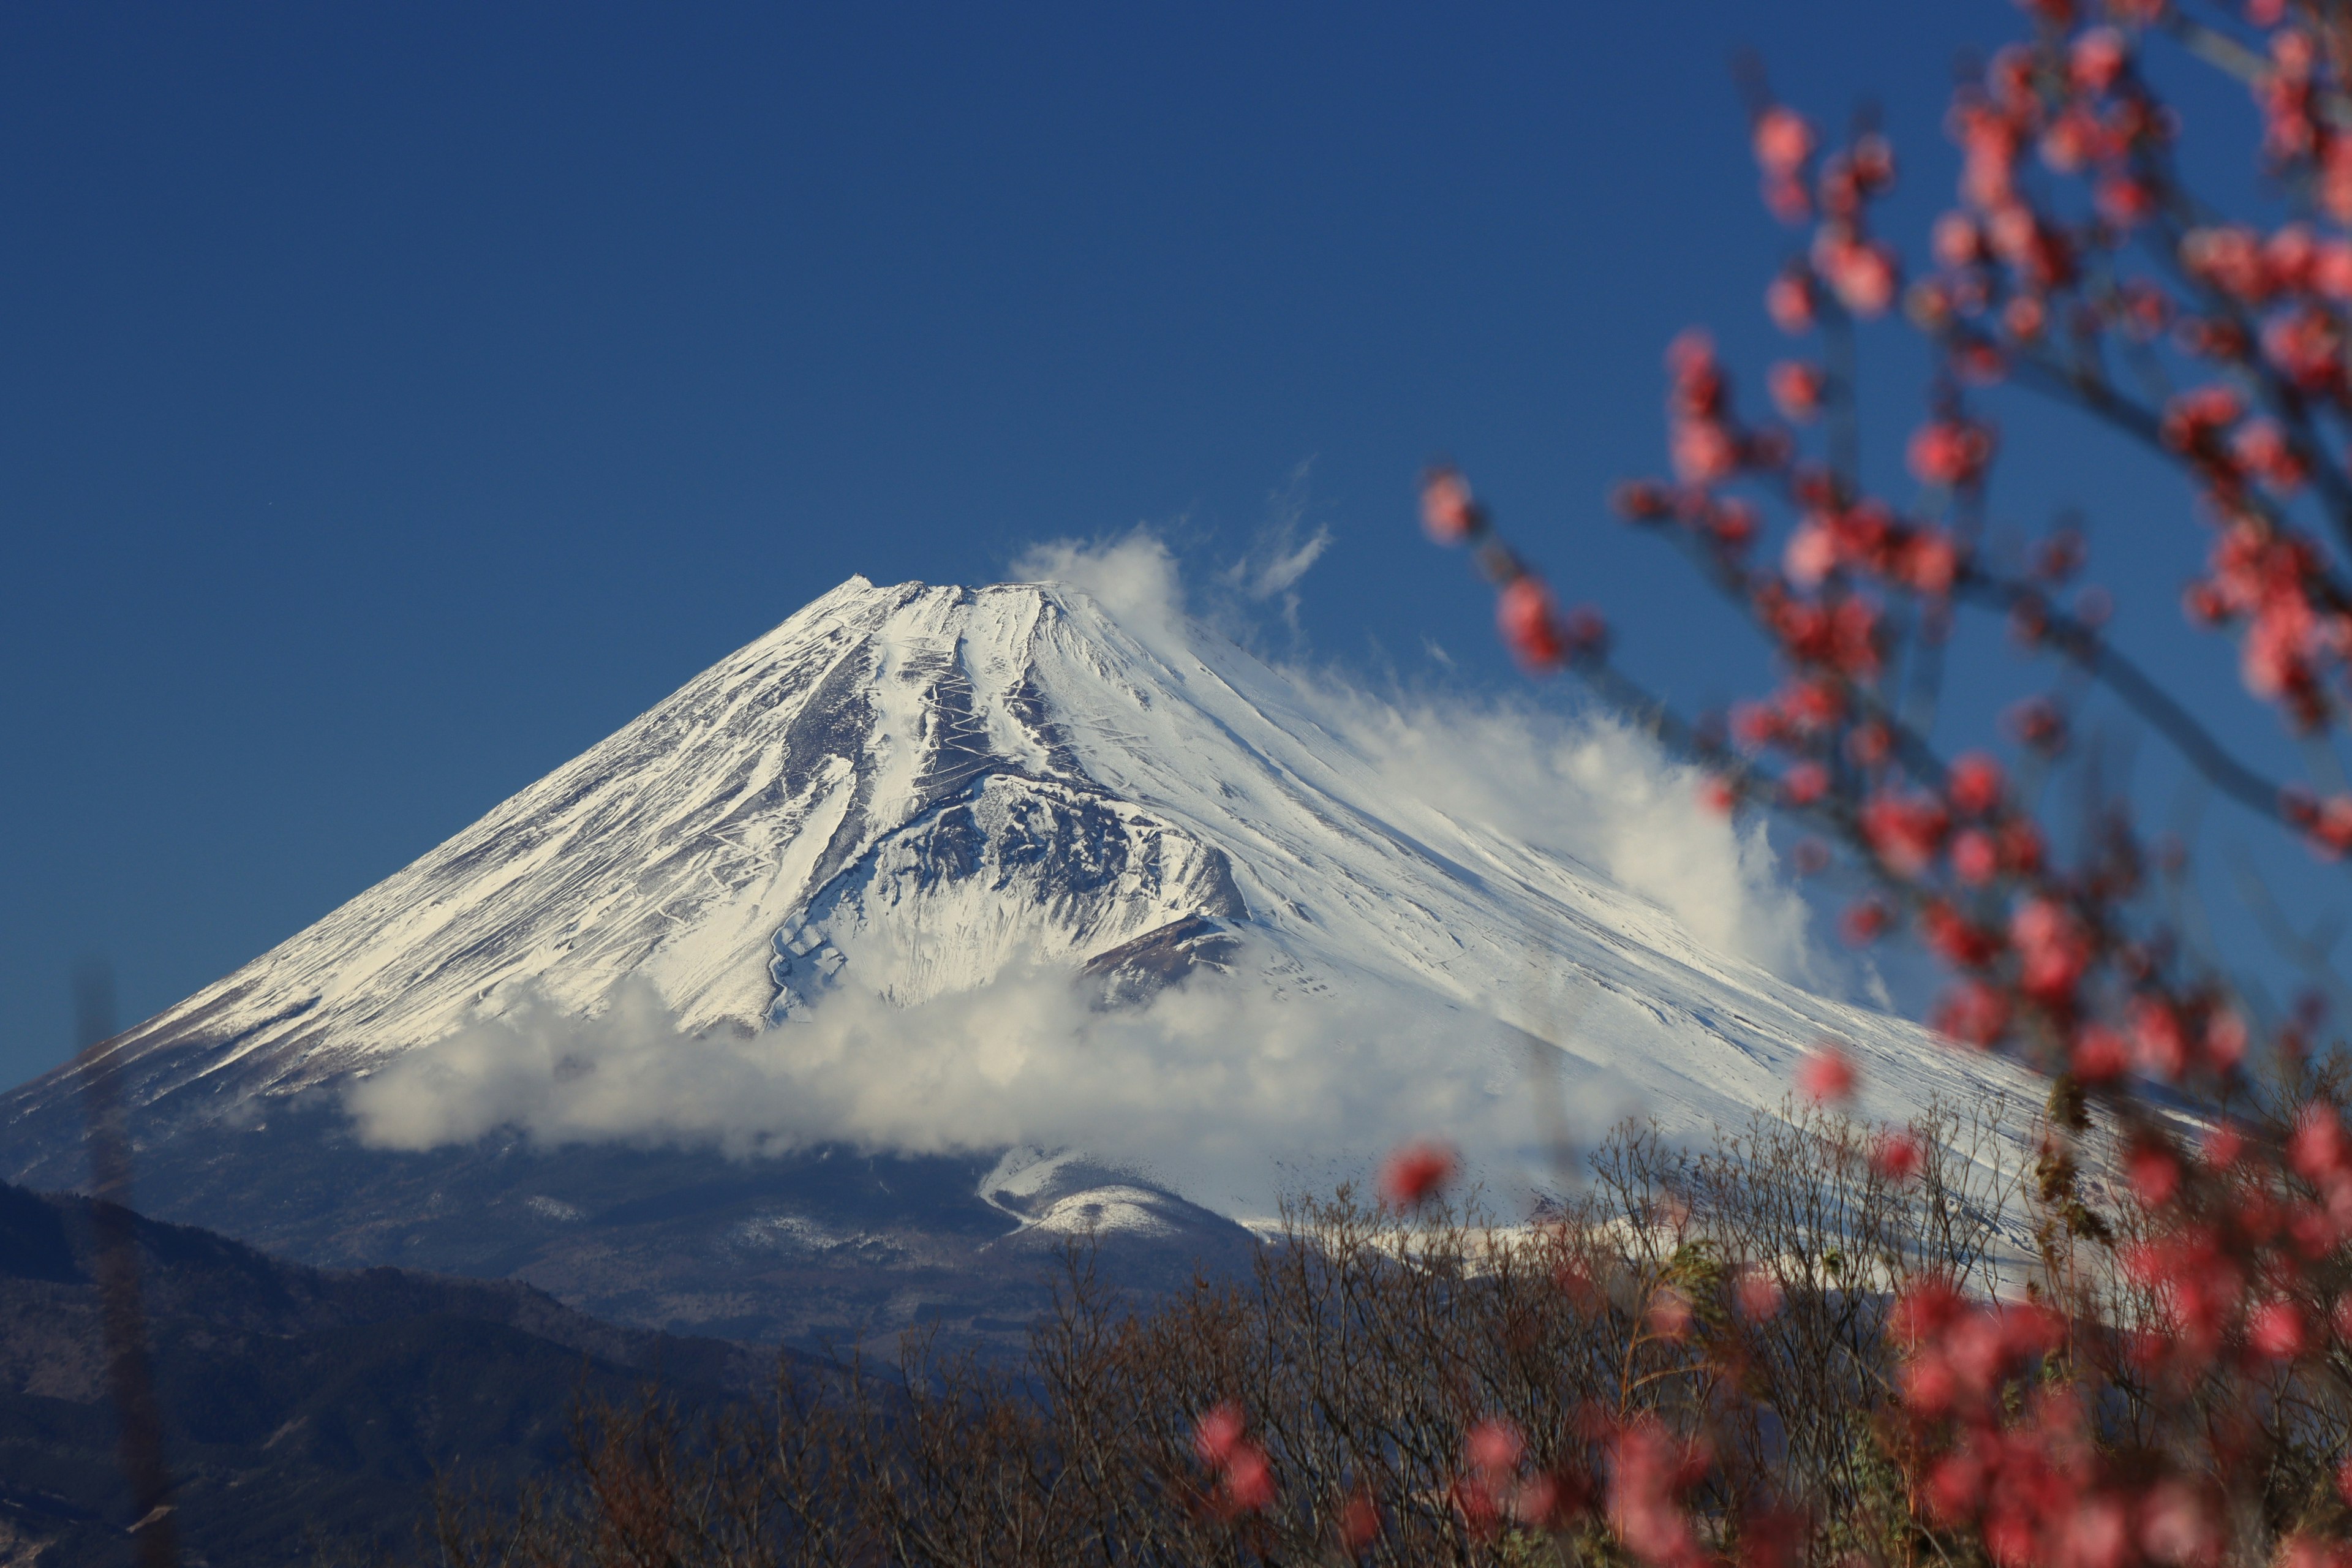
pixel 1796 389
pixel 1757 1293
pixel 2155 1174
pixel 1896 1156
pixel 1973 1013
pixel 2097 60
pixel 1975 783
pixel 2100 1055
pixel 1494 1446
pixel 1827 1075
pixel 1528 620
pixel 1447 513
pixel 1218 1431
pixel 1415 1174
pixel 1905 831
pixel 1805 782
pixel 2275 1329
pixel 1248 1478
pixel 1862 921
pixel 1648 1473
pixel 1783 141
pixel 1976 858
pixel 1668 1314
pixel 2316 1147
pixel 2054 950
pixel 2158 1042
pixel 1790 303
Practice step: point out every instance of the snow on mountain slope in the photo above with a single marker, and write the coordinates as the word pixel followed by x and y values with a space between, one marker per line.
pixel 915 791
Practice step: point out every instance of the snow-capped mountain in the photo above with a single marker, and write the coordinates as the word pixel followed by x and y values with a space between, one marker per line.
pixel 914 791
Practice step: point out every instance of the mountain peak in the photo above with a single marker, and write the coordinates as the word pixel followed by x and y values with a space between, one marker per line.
pixel 912 791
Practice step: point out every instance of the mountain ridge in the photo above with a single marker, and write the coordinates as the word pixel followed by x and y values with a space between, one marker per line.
pixel 300 1408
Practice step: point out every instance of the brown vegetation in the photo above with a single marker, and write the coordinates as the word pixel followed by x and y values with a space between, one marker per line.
pixel 1438 1391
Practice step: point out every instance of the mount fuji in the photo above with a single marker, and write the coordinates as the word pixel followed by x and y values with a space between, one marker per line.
pixel 936 923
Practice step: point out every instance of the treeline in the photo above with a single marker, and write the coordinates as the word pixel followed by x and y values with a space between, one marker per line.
pixel 1785 1348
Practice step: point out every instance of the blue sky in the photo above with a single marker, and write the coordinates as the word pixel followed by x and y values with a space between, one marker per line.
pixel 394 402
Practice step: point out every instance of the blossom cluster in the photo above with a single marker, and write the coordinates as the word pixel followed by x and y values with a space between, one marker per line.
pixel 2151 1417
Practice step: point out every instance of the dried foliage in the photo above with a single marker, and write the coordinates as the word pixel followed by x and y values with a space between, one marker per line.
pixel 1388 1388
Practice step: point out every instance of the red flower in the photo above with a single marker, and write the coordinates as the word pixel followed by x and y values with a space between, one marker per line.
pixel 1861 273
pixel 1862 921
pixel 1976 858
pixel 1642 501
pixel 1528 618
pixel 1931 563
pixel 1783 142
pixel 1248 1480
pixel 1905 831
pixel 2155 1173
pixel 2177 1526
pixel 1494 1448
pixel 1796 389
pixel 1896 1156
pixel 2024 317
pixel 2229 258
pixel 2157 1040
pixel 1950 452
pixel 2100 1055
pixel 1827 1075
pixel 2192 419
pixel 2054 948
pixel 1757 1292
pixel 2020 846
pixel 2331 263
pixel 2037 722
pixel 1789 300
pixel 1447 513
pixel 2225 1039
pixel 1975 783
pixel 1956 240
pixel 2261 447
pixel 2316 1147
pixel 1218 1432
pixel 1959 942
pixel 1648 1472
pixel 1804 783
pixel 1703 451
pixel 2123 201
pixel 2275 1329
pixel 1415 1174
pixel 2097 60
pixel 1972 1013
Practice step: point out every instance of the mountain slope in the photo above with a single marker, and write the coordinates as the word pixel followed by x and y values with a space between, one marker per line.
pixel 913 792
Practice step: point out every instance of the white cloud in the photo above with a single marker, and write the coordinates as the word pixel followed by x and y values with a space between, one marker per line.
pixel 1133 574
pixel 1217 1089
pixel 1284 549
pixel 1585 787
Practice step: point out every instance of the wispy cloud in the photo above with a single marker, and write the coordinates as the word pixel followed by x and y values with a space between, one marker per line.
pixel 1218 1089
